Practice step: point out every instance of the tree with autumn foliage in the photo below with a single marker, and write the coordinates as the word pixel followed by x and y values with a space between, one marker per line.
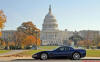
pixel 19 38
pixel 31 34
pixel 29 28
pixel 2 43
pixel 28 41
pixel 2 20
pixel 85 43
pixel 80 43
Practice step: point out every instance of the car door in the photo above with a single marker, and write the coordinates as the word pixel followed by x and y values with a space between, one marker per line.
pixel 67 51
pixel 64 52
pixel 60 52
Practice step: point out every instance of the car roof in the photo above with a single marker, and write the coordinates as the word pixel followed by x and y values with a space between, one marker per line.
pixel 66 46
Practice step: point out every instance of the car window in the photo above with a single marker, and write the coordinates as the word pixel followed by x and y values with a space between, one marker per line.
pixel 64 49
pixel 61 49
pixel 67 48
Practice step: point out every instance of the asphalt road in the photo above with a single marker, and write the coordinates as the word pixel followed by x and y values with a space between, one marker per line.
pixel 29 59
pixel 54 60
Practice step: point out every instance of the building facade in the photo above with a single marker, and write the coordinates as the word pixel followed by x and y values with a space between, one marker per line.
pixel 50 34
pixel 89 34
pixel 8 35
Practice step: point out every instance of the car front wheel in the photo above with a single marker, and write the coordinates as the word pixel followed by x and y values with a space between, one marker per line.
pixel 76 56
pixel 43 56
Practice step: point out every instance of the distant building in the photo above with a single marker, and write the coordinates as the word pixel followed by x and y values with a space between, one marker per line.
pixel 8 35
pixel 89 34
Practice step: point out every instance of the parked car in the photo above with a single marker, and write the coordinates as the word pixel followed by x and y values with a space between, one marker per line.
pixel 61 52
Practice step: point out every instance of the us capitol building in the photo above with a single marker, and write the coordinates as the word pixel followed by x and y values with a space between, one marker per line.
pixel 50 34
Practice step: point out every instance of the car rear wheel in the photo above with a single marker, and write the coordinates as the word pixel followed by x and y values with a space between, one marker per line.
pixel 43 56
pixel 76 56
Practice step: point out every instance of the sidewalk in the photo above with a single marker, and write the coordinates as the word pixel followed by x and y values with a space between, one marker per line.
pixel 12 52
pixel 95 58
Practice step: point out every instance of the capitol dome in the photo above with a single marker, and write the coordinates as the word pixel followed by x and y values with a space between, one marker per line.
pixel 50 22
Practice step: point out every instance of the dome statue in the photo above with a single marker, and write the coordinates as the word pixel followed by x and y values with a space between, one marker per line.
pixel 50 22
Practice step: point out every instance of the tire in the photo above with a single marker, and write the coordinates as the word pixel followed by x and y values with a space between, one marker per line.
pixel 76 56
pixel 44 56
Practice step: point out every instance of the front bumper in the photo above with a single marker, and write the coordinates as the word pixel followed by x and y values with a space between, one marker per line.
pixel 83 54
pixel 34 56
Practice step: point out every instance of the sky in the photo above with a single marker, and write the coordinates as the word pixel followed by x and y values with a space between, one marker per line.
pixel 70 14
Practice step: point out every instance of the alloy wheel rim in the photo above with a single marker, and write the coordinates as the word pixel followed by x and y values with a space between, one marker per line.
pixel 76 56
pixel 44 56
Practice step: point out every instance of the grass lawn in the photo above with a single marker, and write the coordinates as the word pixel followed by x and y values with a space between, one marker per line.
pixel 28 53
pixel 89 53
pixel 4 51
pixel 48 47
pixel 42 48
pixel 31 52
pixel 93 53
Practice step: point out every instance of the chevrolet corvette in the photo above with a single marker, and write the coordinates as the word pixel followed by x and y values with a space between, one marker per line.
pixel 61 52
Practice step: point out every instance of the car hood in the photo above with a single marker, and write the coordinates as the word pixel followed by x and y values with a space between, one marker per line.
pixel 45 51
pixel 42 52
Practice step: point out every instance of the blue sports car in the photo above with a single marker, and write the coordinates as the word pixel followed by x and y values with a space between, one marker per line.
pixel 61 52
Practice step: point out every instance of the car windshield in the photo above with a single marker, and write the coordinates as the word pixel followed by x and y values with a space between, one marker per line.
pixel 55 48
pixel 62 48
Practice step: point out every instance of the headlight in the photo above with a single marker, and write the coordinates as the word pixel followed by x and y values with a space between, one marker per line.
pixel 34 55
